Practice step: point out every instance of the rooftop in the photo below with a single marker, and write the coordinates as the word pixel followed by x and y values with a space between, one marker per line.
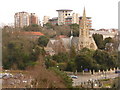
pixel 86 17
pixel 64 10
pixel 33 33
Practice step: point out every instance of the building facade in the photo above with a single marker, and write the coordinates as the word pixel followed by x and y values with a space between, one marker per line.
pixel 65 17
pixel 75 18
pixel 45 19
pixel 62 14
pixel 71 20
pixel 25 19
pixel 21 19
pixel 33 19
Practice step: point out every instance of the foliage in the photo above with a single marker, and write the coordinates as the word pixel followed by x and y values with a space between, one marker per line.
pixel 71 66
pixel 108 40
pixel 118 59
pixel 83 62
pixel 73 52
pixel 62 30
pixel 104 59
pixel 19 52
pixel 48 25
pixel 49 62
pixel 62 66
pixel 61 57
pixel 85 58
pixel 42 41
pixel 99 40
pixel 75 29
pixel 33 27
pixel 67 79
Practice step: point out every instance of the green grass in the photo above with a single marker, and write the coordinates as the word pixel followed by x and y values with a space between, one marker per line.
pixel 105 80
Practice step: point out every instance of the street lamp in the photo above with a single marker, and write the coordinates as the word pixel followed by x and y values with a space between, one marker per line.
pixel 105 74
pixel 81 67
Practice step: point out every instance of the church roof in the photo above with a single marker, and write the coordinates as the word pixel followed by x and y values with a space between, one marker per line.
pixel 75 40
pixel 66 42
pixel 52 41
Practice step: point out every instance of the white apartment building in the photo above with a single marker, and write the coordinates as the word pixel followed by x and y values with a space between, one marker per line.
pixel 75 18
pixel 62 14
pixel 45 19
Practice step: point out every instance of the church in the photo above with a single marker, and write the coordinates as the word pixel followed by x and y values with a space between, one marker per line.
pixel 64 44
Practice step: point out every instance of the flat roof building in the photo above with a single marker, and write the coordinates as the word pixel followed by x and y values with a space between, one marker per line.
pixel 62 14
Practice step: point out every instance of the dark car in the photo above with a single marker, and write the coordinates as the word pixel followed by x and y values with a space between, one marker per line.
pixel 118 71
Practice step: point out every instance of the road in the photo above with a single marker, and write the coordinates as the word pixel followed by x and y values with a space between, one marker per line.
pixel 85 78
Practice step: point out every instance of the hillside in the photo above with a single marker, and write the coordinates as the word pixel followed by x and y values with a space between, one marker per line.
pixel 45 78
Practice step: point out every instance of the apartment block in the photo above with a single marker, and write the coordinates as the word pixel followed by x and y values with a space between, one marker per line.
pixel 62 15
pixel 65 17
pixel 45 19
pixel 75 18
pixel 25 19
pixel 33 19
pixel 21 19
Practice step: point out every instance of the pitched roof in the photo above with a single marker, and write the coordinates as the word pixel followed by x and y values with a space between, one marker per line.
pixel 52 41
pixel 61 36
pixel 33 33
pixel 75 40
pixel 66 42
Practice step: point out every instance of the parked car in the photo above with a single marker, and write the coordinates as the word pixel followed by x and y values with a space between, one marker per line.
pixel 117 71
pixel 74 76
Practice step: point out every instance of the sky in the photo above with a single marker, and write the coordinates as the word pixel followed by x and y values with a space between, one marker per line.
pixel 104 13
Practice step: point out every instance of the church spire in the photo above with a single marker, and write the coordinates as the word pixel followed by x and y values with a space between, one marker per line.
pixel 84 14
pixel 84 30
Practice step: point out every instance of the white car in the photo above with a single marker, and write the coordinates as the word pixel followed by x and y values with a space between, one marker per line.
pixel 73 76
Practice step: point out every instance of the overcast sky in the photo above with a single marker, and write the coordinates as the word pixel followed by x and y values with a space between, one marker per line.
pixel 104 13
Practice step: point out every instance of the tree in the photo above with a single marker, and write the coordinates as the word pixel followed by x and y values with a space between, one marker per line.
pixel 33 27
pixel 105 59
pixel 71 66
pixel 108 44
pixel 43 40
pixel 75 29
pixel 48 25
pixel 84 61
pixel 62 30
pixel 72 52
pixel 61 57
pixel 62 66
pixel 108 40
pixel 99 40
pixel 18 50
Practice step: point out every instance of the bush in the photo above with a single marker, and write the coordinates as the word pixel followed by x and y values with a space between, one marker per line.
pixel 67 79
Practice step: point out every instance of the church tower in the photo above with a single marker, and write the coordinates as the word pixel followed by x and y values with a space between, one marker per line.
pixel 84 38
pixel 84 30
